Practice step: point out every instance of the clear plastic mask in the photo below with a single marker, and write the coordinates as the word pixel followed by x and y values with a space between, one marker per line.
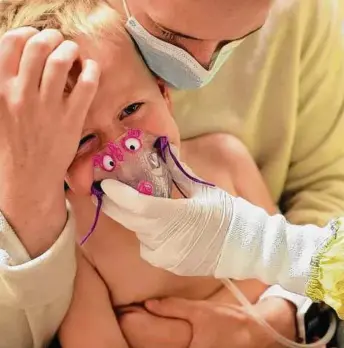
pixel 133 160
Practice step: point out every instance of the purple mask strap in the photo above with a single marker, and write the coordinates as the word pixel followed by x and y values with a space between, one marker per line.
pixel 162 144
pixel 179 189
pixel 99 194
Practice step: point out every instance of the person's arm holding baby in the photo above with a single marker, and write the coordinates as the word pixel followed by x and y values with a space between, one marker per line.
pixel 39 133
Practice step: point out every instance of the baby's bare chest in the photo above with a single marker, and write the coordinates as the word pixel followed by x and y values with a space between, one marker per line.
pixel 115 253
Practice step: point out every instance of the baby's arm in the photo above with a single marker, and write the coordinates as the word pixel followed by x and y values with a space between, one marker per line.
pixel 90 321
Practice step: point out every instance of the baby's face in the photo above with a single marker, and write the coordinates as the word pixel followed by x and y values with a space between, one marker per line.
pixel 128 97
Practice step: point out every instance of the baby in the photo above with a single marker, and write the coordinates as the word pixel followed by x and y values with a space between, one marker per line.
pixel 111 275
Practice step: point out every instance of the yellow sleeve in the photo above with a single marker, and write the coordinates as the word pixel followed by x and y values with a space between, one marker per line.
pixel 327 277
pixel 314 190
pixel 34 294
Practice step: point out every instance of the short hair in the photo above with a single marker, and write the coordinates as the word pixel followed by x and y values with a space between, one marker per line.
pixel 71 17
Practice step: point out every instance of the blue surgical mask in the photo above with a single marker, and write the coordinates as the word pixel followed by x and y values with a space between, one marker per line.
pixel 172 63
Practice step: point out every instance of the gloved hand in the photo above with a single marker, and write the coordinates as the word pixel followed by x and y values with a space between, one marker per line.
pixel 212 233
pixel 184 236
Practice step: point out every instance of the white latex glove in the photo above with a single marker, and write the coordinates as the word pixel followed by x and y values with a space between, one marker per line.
pixel 214 234
pixel 184 236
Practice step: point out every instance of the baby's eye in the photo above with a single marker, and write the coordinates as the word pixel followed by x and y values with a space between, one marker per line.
pixel 109 163
pixel 129 110
pixel 86 139
pixel 87 144
pixel 132 144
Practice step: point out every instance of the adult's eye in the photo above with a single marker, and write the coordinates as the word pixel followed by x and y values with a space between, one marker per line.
pixel 129 110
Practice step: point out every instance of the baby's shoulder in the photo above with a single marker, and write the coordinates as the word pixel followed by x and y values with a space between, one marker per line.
pixel 215 158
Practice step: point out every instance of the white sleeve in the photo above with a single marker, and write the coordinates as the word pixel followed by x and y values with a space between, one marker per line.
pixel 34 294
pixel 277 291
pixel 268 248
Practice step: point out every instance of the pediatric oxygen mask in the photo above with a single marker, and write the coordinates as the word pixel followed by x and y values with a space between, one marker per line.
pixel 133 160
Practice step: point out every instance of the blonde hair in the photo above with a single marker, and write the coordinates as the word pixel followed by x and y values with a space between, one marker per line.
pixel 93 18
pixel 71 17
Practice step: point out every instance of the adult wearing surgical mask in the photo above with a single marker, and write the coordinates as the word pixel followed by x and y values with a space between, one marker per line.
pixel 272 74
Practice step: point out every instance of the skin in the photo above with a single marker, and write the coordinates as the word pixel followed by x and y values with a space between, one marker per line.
pixel 18 190
pixel 109 117
pixel 33 72
pixel 205 25
pixel 113 249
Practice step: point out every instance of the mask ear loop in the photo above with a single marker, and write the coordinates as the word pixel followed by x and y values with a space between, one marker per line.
pixel 162 144
pixel 98 192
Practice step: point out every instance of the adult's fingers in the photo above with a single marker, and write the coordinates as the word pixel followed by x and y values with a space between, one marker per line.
pixel 143 329
pixel 116 213
pixel 56 71
pixel 177 308
pixel 136 203
pixel 83 93
pixel 12 46
pixel 36 52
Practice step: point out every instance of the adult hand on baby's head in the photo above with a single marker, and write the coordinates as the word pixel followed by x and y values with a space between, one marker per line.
pixel 40 126
pixel 145 330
